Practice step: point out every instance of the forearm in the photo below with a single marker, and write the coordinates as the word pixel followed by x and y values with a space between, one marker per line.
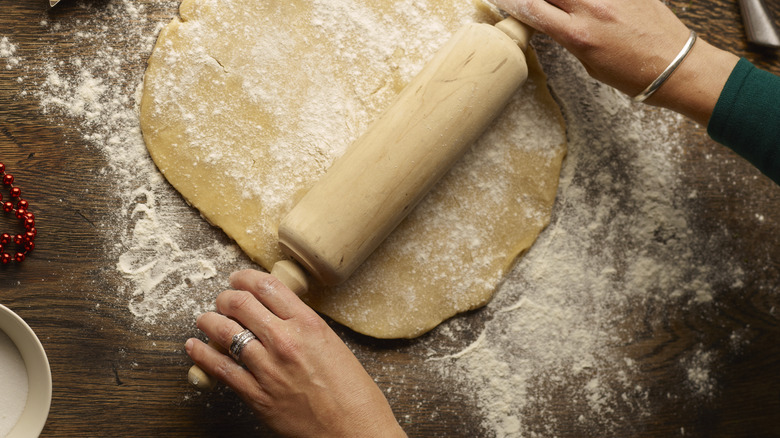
pixel 747 117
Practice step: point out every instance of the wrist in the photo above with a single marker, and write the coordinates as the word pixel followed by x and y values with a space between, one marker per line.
pixel 693 89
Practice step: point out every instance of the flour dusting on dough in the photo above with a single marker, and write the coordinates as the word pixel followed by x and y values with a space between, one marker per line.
pixel 219 122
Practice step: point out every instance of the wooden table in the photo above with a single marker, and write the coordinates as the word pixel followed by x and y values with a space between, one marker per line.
pixel 114 376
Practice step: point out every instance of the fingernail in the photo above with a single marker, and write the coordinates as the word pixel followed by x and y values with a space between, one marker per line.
pixel 188 345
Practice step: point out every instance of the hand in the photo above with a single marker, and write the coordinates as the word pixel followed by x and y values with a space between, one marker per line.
pixel 628 43
pixel 298 376
pixel 623 43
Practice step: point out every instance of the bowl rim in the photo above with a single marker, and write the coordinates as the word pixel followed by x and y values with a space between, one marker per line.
pixel 39 394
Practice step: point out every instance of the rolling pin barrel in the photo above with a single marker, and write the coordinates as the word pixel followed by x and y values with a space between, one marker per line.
pixel 387 171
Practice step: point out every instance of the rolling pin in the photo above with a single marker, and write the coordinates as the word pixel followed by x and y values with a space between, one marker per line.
pixel 369 190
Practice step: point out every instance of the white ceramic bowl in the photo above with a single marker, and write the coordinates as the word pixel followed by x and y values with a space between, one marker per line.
pixel 33 418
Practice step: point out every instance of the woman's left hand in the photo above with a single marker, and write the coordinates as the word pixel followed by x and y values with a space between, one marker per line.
pixel 298 375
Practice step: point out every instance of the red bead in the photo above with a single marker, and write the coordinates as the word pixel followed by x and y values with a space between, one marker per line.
pixel 8 206
pixel 34 231
pixel 20 213
pixel 29 236
pixel 5 258
pixel 5 239
pixel 19 257
pixel 16 192
pixel 2 168
pixel 18 239
pixel 29 246
pixel 29 215
pixel 29 224
pixel 22 204
pixel 2 248
pixel 8 179
pixel 1 196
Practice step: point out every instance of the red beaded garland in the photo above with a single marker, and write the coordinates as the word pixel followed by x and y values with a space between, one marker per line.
pixel 21 209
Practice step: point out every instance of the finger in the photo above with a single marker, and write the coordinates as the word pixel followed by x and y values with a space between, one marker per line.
pixel 539 14
pixel 564 5
pixel 220 366
pixel 271 292
pixel 222 329
pixel 248 311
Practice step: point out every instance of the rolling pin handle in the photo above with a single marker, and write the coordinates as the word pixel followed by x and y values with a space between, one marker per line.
pixel 519 32
pixel 291 275
pixel 198 378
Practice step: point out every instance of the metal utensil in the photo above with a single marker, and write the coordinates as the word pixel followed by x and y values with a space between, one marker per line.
pixel 759 25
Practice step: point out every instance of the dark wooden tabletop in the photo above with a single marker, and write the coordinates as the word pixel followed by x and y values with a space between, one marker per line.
pixel 117 376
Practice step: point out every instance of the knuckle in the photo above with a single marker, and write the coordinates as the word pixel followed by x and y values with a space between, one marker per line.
pixel 523 8
pixel 288 348
pixel 222 371
pixel 268 284
pixel 274 284
pixel 314 323
pixel 292 342
pixel 261 401
pixel 286 344
pixel 580 39
pixel 238 301
pixel 225 333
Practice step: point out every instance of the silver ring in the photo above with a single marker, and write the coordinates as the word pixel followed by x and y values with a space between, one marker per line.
pixel 239 342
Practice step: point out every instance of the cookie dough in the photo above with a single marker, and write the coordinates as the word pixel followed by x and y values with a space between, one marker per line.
pixel 246 105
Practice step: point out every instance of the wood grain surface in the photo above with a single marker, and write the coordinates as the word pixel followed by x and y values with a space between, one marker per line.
pixel 115 377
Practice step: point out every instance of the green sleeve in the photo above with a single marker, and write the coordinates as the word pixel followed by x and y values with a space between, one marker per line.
pixel 747 117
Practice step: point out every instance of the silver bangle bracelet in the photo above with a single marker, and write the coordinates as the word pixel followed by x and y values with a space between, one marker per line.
pixel 669 70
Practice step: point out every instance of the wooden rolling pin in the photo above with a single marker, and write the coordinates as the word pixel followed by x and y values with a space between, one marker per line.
pixel 387 171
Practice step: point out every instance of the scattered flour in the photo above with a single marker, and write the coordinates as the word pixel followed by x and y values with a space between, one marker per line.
pixel 7 52
pixel 161 263
pixel 621 244
pixel 698 368
pixel 621 249
pixel 13 384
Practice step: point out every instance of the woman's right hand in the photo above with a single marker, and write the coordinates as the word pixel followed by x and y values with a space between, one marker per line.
pixel 628 43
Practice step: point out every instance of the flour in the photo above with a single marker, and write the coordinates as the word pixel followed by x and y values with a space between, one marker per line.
pixel 13 384
pixel 622 242
pixel 699 373
pixel 160 261
pixel 623 246
pixel 7 52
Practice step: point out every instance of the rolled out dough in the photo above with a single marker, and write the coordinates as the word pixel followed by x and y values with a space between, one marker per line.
pixel 246 104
